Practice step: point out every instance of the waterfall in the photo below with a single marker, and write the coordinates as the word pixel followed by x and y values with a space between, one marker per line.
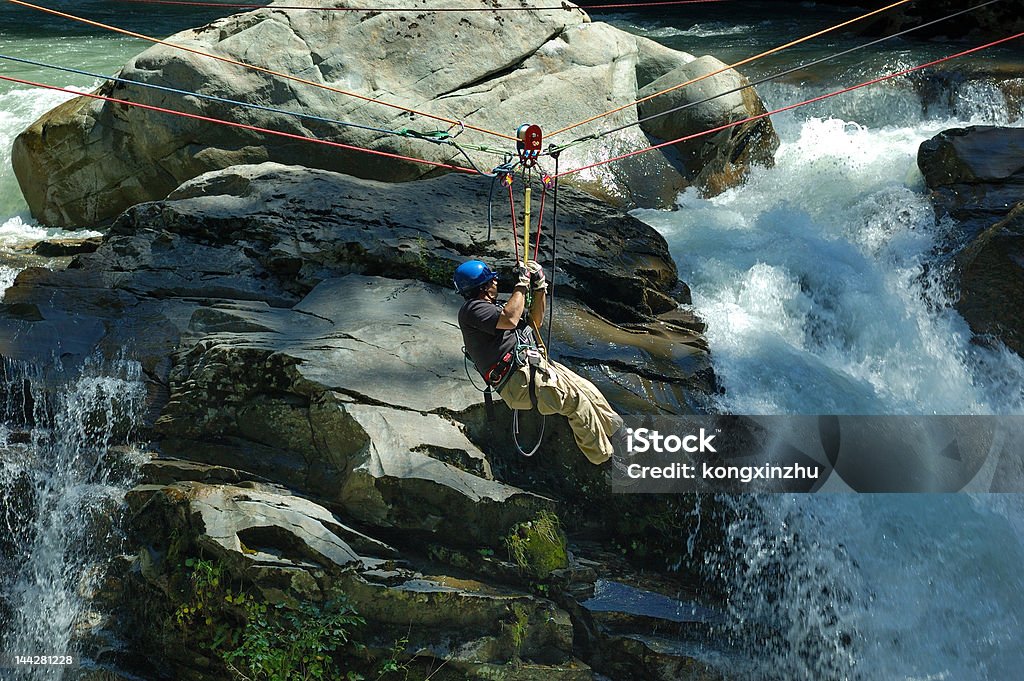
pixel 66 460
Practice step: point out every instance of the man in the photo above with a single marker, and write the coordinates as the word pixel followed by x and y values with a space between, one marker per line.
pixel 501 343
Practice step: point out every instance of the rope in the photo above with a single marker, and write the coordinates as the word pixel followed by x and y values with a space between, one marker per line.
pixel 540 219
pixel 252 67
pixel 772 77
pixel 515 434
pixel 565 6
pixel 731 66
pixel 242 126
pixel 797 105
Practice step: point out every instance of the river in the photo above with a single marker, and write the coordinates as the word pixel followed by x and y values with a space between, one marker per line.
pixel 818 282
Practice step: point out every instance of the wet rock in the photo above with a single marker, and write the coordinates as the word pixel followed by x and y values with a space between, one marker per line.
pixel 976 173
pixel 86 161
pixel 997 20
pixel 57 248
pixel 977 177
pixel 991 272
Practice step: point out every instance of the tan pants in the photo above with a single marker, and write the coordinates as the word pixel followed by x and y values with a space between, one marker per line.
pixel 560 391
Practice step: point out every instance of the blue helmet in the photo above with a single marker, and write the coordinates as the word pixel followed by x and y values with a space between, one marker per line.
pixel 471 275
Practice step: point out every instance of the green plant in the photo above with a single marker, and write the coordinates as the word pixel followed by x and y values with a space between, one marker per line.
pixel 284 644
pixel 538 546
pixel 393 665
pixel 212 613
pixel 519 627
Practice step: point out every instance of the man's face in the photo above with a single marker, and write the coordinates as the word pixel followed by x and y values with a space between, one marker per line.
pixel 491 291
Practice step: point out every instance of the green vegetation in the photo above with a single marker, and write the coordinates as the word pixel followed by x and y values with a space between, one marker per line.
pixel 260 642
pixel 538 546
pixel 282 644
pixel 519 627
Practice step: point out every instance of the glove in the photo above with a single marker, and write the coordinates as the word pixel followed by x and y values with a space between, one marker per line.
pixel 537 280
pixel 524 275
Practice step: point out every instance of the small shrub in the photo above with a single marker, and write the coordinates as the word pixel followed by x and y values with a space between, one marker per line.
pixel 538 546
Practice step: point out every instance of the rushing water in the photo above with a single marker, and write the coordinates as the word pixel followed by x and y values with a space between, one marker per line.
pixel 62 481
pixel 817 281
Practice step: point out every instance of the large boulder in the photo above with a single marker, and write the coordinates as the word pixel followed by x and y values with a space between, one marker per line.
pixel 86 161
pixel 976 174
pixel 300 325
pixel 977 177
pixel 297 327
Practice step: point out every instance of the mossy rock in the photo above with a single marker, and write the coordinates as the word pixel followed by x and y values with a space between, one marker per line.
pixel 538 546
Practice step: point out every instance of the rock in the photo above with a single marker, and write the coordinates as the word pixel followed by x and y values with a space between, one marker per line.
pixel 298 326
pixel 991 272
pixel 360 396
pixel 270 234
pixel 977 177
pixel 350 402
pixel 57 248
pixel 716 162
pixel 264 525
pixel 975 173
pixel 993 21
pixel 86 161
pixel 292 552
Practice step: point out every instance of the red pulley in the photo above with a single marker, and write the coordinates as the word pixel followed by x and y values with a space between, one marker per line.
pixel 530 140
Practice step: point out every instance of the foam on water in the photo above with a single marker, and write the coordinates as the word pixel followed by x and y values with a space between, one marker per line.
pixel 819 284
pixel 812 279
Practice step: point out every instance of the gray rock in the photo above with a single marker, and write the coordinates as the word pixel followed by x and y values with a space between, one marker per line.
pixel 711 162
pixel 86 161
pixel 356 382
pixel 267 354
pixel 976 176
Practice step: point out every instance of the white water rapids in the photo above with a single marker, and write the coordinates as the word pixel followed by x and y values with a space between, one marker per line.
pixel 816 282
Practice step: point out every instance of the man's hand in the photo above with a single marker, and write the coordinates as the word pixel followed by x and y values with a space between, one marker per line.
pixel 537 280
pixel 525 276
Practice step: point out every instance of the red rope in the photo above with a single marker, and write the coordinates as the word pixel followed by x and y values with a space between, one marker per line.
pixel 242 126
pixel 793 106
pixel 567 7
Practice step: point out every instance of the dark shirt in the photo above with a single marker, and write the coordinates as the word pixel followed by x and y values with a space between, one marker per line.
pixel 485 343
